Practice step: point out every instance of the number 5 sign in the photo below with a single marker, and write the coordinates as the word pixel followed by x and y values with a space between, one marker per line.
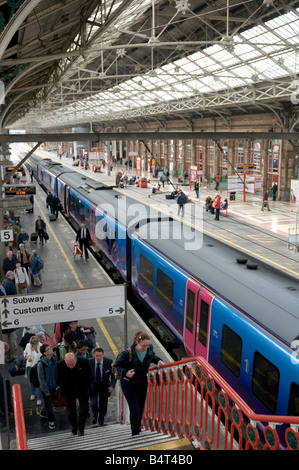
pixel 6 235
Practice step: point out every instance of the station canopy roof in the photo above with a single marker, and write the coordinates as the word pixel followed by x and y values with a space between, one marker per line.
pixel 107 63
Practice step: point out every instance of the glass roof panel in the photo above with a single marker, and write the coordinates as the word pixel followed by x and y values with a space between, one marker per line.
pixel 261 53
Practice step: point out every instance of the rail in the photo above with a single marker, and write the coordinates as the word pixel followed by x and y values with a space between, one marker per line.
pixel 190 399
pixel 21 436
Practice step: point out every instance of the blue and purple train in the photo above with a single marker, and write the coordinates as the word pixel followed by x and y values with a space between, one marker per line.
pixel 244 322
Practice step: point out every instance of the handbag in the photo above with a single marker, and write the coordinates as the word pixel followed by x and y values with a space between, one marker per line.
pixel 17 367
pixel 23 285
pixel 46 339
pixel 59 401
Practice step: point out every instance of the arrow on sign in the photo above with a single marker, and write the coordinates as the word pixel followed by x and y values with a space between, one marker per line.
pixel 5 301
pixel 6 324
pixel 5 312
pixel 120 310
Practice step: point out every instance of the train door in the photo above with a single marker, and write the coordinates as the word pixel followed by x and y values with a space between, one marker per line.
pixel 66 197
pixel 197 319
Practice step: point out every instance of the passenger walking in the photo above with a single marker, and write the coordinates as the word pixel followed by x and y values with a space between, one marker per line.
pixel 24 256
pixel 84 238
pixel 55 206
pixel 67 345
pixel 9 283
pixel 217 179
pixel 40 228
pixel 265 201
pixel 217 205
pixel 21 279
pixel 81 332
pixel 74 380
pixel 49 202
pixel 196 188
pixel 82 349
pixel 102 385
pixel 274 191
pixel 36 266
pixel 9 263
pixel 46 371
pixel 10 335
pixel 22 237
pixel 32 355
pixel 132 365
pixel 181 201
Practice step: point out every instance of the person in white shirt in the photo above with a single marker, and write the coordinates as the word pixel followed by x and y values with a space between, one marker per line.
pixel 32 355
pixel 84 239
pixel 21 278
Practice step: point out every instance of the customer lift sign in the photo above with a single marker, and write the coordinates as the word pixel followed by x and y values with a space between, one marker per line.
pixel 31 309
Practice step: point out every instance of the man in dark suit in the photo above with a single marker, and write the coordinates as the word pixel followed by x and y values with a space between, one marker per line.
pixel 103 383
pixel 84 238
pixel 74 380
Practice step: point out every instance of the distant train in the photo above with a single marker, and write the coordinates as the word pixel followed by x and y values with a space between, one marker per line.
pixel 244 322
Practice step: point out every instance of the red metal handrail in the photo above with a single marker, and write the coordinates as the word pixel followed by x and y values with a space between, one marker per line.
pixel 173 407
pixel 21 436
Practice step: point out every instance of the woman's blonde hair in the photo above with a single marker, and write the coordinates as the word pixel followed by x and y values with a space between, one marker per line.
pixel 140 336
pixel 34 340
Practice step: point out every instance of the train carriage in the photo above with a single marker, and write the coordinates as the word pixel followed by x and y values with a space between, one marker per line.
pixel 243 321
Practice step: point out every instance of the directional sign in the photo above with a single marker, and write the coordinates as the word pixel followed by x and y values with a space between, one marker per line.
pixel 6 235
pixel 31 309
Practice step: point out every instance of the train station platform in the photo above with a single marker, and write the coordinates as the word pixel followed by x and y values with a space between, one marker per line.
pixel 64 272
pixel 259 235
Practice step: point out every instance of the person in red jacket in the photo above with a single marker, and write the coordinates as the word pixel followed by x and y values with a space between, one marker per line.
pixel 217 205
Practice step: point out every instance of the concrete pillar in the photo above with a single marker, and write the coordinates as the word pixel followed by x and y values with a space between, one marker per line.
pixel 286 170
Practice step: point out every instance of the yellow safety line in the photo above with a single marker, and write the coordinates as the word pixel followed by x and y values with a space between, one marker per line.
pixel 100 322
pixel 166 445
pixel 221 238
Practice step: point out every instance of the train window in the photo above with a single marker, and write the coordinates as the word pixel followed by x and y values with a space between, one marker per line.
pixel 190 310
pixel 203 323
pixel 293 409
pixel 165 287
pixel 82 211
pixel 146 273
pixel 265 381
pixel 87 217
pixel 231 350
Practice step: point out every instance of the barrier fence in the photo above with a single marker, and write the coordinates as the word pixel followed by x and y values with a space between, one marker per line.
pixel 190 399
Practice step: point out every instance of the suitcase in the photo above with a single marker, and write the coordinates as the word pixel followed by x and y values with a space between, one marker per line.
pixel 52 217
pixel 33 237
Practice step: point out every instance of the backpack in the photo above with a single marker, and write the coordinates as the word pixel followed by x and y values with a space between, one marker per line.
pixel 114 370
pixel 40 263
pixel 34 375
pixel 3 291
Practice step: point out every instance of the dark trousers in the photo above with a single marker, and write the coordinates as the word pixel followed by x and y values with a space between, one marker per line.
pixel 99 400
pixel 71 405
pixel 135 395
pixel 48 406
pixel 83 242
pixel 217 214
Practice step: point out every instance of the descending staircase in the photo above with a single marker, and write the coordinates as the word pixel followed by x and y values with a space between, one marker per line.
pixel 109 437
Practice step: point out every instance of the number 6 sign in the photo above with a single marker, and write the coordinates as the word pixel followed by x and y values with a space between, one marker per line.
pixel 6 235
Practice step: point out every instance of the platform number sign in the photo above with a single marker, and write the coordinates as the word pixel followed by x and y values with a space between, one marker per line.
pixel 6 235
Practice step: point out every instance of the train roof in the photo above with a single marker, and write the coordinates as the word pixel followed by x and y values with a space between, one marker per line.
pixel 269 296
pixel 266 294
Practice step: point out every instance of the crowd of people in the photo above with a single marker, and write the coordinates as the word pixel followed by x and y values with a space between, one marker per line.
pixel 85 376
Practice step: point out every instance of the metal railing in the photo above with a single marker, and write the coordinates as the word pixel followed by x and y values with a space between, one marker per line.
pixel 21 436
pixel 190 399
